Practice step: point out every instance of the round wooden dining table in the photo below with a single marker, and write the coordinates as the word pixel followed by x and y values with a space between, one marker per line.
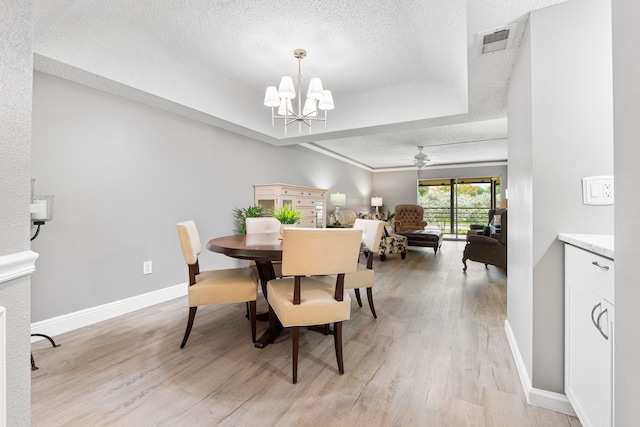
pixel 263 249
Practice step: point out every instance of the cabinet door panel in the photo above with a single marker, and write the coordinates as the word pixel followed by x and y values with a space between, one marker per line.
pixel 589 361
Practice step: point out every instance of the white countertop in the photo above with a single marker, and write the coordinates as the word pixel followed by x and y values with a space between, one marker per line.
pixel 601 244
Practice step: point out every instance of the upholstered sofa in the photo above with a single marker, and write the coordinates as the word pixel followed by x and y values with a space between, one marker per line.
pixel 343 217
pixel 390 243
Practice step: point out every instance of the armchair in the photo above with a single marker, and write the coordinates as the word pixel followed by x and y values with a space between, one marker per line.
pixel 488 249
pixel 392 243
pixel 493 224
pixel 409 217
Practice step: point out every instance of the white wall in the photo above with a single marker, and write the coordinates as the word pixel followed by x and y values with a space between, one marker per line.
pixel 626 90
pixel 15 131
pixel 123 174
pixel 560 130
pixel 520 238
pixel 396 188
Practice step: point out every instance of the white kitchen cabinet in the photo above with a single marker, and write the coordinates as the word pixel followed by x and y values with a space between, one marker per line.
pixel 311 202
pixel 589 335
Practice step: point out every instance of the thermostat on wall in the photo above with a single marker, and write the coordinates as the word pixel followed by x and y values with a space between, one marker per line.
pixel 597 190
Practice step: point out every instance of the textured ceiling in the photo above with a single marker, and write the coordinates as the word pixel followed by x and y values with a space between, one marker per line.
pixel 403 73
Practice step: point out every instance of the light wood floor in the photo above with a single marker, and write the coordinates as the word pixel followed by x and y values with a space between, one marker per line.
pixel 436 356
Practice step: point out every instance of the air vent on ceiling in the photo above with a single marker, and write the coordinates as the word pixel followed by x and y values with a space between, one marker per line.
pixel 497 39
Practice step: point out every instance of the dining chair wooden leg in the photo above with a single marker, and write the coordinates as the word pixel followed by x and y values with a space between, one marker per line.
pixel 357 291
pixel 252 317
pixel 192 315
pixel 295 339
pixel 337 339
pixel 370 299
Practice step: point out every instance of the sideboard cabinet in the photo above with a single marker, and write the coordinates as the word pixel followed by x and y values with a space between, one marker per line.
pixel 311 202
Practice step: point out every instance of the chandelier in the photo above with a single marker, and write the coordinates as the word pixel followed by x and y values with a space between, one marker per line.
pixel 421 159
pixel 317 99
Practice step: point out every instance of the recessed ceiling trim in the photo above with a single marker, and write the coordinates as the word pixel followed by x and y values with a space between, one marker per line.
pixel 444 166
pixel 335 156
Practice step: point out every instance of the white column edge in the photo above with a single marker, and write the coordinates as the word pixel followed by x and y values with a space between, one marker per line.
pixel 17 265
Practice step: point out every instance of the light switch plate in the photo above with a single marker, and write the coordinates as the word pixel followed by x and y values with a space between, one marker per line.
pixel 597 190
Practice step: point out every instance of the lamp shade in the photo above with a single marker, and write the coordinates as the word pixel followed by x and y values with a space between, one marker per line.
pixel 309 109
pixel 376 201
pixel 285 107
pixel 271 97
pixel 338 199
pixel 326 103
pixel 315 89
pixel 286 89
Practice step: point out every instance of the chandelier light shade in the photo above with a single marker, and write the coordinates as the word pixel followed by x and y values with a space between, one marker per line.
pixel 317 99
pixel 271 97
pixel 315 89
pixel 326 103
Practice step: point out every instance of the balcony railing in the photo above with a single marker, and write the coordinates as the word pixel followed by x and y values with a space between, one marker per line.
pixel 442 218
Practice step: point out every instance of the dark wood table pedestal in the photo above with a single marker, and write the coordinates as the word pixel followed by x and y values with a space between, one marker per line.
pixel 263 249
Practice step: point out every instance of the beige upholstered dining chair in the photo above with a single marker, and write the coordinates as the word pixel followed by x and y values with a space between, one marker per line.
pixel 308 300
pixel 363 277
pixel 264 225
pixel 214 286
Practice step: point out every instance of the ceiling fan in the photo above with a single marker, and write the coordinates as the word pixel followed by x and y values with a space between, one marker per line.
pixel 421 159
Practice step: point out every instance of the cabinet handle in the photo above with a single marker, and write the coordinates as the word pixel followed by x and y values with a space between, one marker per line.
pixel 596 322
pixel 606 337
pixel 593 319
pixel 604 267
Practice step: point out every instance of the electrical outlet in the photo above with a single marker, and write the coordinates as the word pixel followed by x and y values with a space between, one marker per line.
pixel 607 190
pixel 597 190
pixel 146 267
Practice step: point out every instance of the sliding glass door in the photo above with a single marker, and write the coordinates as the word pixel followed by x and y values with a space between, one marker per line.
pixel 453 204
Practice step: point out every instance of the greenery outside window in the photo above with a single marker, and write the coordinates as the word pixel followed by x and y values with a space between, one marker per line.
pixel 453 204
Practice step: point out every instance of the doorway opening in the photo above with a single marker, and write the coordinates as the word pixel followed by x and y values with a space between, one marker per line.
pixel 453 204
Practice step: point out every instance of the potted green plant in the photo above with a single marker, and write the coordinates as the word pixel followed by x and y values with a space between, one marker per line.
pixel 241 215
pixel 287 215
pixel 390 216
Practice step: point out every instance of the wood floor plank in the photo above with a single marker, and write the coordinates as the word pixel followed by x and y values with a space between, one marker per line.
pixel 436 356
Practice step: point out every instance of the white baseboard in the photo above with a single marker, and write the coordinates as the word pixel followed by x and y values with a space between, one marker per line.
pixel 69 322
pixel 545 399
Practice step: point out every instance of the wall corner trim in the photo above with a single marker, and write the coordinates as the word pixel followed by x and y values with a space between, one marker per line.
pixel 545 399
pixel 17 265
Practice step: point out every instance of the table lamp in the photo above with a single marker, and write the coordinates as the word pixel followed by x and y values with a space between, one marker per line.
pixel 338 200
pixel 376 202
